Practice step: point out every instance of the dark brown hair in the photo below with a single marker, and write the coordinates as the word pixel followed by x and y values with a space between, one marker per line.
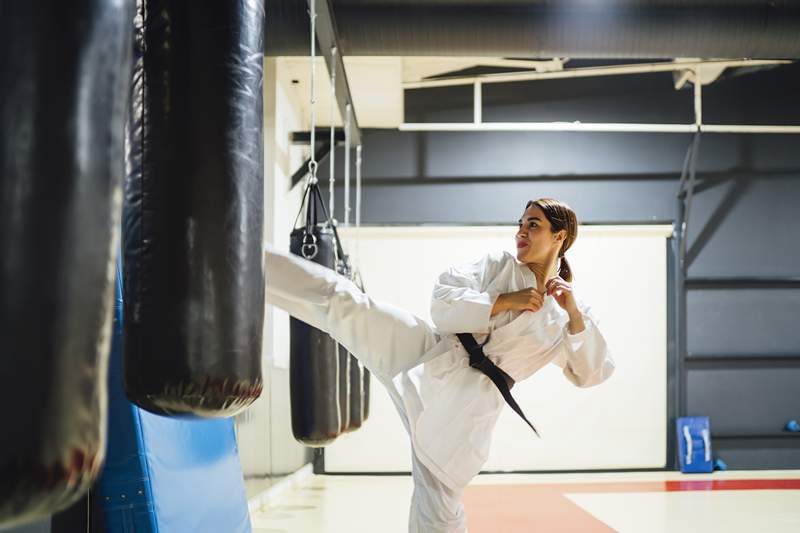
pixel 561 216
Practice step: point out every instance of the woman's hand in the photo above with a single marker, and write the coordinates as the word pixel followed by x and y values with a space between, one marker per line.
pixel 524 300
pixel 561 291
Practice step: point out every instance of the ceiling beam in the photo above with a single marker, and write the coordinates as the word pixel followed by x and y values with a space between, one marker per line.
pixel 328 39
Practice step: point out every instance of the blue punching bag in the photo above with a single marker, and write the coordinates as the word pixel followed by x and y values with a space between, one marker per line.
pixel 164 474
pixel 193 208
pixel 64 69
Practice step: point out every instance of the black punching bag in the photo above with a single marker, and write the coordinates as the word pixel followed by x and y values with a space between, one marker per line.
pixel 367 377
pixel 356 394
pixel 359 383
pixel 347 401
pixel 365 374
pixel 314 363
pixel 349 387
pixel 64 69
pixel 344 387
pixel 193 208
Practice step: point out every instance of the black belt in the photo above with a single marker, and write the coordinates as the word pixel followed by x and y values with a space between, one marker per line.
pixel 503 382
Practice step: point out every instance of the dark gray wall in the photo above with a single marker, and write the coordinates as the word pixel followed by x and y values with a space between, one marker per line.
pixel 742 362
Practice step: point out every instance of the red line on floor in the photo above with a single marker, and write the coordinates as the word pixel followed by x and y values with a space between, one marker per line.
pixel 513 509
pixel 734 484
pixel 544 507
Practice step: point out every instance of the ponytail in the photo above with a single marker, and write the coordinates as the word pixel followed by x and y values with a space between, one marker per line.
pixel 564 269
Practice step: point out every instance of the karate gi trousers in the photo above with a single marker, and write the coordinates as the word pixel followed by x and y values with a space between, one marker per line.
pixel 388 341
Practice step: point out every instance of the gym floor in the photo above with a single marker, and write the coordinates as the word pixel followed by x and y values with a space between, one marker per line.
pixel 649 502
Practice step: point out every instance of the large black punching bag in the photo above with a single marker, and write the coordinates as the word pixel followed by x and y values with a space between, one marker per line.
pixel 314 362
pixel 193 209
pixel 64 68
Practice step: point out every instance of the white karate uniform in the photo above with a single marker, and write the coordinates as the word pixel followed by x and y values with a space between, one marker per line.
pixel 448 408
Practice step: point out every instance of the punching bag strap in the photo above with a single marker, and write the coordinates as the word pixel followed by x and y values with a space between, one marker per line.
pixel 300 211
pixel 332 224
pixel 309 248
pixel 503 382
pixel 339 248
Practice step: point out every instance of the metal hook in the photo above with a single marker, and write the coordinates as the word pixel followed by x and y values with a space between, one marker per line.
pixel 309 250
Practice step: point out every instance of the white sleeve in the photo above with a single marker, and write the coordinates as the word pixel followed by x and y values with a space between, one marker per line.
pixel 584 356
pixel 460 302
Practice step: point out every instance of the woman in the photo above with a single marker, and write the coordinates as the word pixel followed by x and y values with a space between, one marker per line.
pixel 448 408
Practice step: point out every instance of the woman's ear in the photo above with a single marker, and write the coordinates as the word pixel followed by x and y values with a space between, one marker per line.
pixel 560 235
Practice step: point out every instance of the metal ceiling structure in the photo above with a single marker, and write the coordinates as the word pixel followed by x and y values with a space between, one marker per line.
pixel 652 29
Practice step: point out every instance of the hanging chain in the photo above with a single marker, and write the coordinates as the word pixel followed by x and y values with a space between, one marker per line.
pixel 358 186
pixel 347 113
pixel 309 249
pixel 692 174
pixel 332 178
pixel 358 207
pixel 312 162
pixel 339 265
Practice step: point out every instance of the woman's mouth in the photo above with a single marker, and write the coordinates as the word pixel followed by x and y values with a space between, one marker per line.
pixel 521 244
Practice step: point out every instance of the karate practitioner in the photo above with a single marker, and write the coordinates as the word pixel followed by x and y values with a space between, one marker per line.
pixel 524 305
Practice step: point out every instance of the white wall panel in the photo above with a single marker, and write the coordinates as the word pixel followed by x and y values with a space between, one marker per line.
pixel 620 271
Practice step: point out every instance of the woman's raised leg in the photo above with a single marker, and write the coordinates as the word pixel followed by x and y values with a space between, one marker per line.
pixel 385 338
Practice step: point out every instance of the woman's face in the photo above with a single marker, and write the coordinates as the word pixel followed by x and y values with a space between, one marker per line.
pixel 535 240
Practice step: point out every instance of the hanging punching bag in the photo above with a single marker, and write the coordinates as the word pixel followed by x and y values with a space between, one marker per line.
pixel 356 394
pixel 347 401
pixel 344 357
pixel 359 383
pixel 314 363
pixel 364 371
pixel 64 70
pixel 193 209
pixel 365 384
pixel 352 401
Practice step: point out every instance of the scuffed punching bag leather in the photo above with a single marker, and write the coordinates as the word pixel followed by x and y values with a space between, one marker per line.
pixel 64 69
pixel 193 209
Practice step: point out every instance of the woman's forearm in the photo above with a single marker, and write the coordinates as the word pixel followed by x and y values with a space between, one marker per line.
pixel 576 324
pixel 500 305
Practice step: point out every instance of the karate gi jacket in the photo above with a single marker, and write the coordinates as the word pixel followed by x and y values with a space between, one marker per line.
pixel 451 407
